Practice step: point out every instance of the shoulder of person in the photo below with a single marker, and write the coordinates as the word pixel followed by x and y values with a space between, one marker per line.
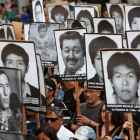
pixel 83 104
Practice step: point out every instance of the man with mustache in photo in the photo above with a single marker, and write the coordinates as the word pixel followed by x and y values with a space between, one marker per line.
pixel 123 72
pixel 73 52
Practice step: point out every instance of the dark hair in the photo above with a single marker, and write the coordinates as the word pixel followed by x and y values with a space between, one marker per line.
pixel 117 119
pixel 3 72
pixel 42 26
pixel 24 7
pixel 104 25
pixel 14 5
pixel 124 1
pixel 30 1
pixel 71 8
pixel 56 77
pixel 135 12
pixel 45 71
pixel 59 9
pixel 38 3
pixel 81 83
pixel 14 49
pixel 2 5
pixel 9 33
pixel 135 42
pixel 99 43
pixel 48 130
pixel 76 24
pixel 126 59
pixel 12 0
pixel 72 35
pixel 116 8
pixel 2 33
pixel 86 14
pixel 30 136
pixel 51 84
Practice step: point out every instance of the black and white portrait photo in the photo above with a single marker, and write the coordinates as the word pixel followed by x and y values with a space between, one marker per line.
pixel 9 31
pixel 71 6
pixel 95 42
pixel 132 15
pixel 104 25
pixel 26 31
pixel 71 54
pixel 43 108
pixel 85 14
pixel 121 68
pixel 133 39
pixel 2 33
pixel 10 100
pixel 59 14
pixel 38 11
pixel 117 11
pixel 11 136
pixel 72 23
pixel 21 55
pixel 43 37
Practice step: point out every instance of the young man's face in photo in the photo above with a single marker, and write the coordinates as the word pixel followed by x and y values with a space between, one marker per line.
pixel 118 20
pixel 72 54
pixel 42 32
pixel 135 25
pixel 124 83
pixel 38 13
pixel 15 61
pixel 59 18
pixel 4 91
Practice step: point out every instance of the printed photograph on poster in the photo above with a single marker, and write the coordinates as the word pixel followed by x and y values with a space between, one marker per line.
pixel 11 100
pixel 117 11
pixel 124 43
pixel 95 42
pixel 133 39
pixel 43 36
pixel 71 54
pixel 9 31
pixel 26 31
pixel 85 14
pixel 38 11
pixel 58 14
pixel 72 23
pixel 2 33
pixel 71 6
pixel 11 136
pixel 121 69
pixel 96 9
pixel 132 15
pixel 104 25
pixel 21 55
pixel 43 108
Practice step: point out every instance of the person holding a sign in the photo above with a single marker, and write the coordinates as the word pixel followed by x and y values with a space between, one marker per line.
pixel 123 72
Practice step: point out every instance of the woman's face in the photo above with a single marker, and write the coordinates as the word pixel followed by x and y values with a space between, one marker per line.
pixel 71 84
pixel 42 136
pixel 88 23
pixel 135 25
pixel 138 136
pixel 59 18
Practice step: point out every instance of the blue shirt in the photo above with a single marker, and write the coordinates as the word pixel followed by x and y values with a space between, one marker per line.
pixel 25 18
pixel 60 95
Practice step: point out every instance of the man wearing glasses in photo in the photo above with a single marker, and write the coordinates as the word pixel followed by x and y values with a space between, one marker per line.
pixel 89 109
pixel 54 118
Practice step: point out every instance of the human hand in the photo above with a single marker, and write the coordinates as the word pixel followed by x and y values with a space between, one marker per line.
pixel 108 138
pixel 17 16
pixel 82 120
pixel 127 125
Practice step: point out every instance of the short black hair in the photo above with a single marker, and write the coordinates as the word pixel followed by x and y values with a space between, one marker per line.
pixel 56 77
pixel 76 24
pixel 126 59
pixel 3 72
pixel 43 26
pixel 30 136
pixel 72 35
pixel 51 84
pixel 116 8
pixel 2 5
pixel 14 49
pixel 59 9
pixel 134 12
pixel 24 7
pixel 99 43
pixel 9 33
pixel 14 5
pixel 135 42
pixel 12 0
pixel 104 25
pixel 38 3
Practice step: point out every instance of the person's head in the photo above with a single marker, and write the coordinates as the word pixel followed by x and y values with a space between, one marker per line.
pixel 46 132
pixel 14 56
pixel 24 9
pixel 30 114
pixel 136 42
pixel 72 53
pixel 138 134
pixel 134 18
pixel 105 27
pixel 9 34
pixel 38 11
pixel 2 34
pixel 14 7
pixel 30 2
pixel 115 118
pixel 123 73
pixel 91 96
pixel 123 1
pixel 56 79
pixel 85 15
pixel 12 1
pixel 30 136
pixel 65 86
pixel 50 88
pixel 117 13
pixel 2 6
pixel 42 30
pixel 76 24
pixel 59 14
pixel 4 90
pixel 54 117
pixel 94 52
pixel 72 84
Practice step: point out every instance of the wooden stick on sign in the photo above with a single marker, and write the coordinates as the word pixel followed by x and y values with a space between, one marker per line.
pixel 38 121
pixel 24 121
pixel 107 123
